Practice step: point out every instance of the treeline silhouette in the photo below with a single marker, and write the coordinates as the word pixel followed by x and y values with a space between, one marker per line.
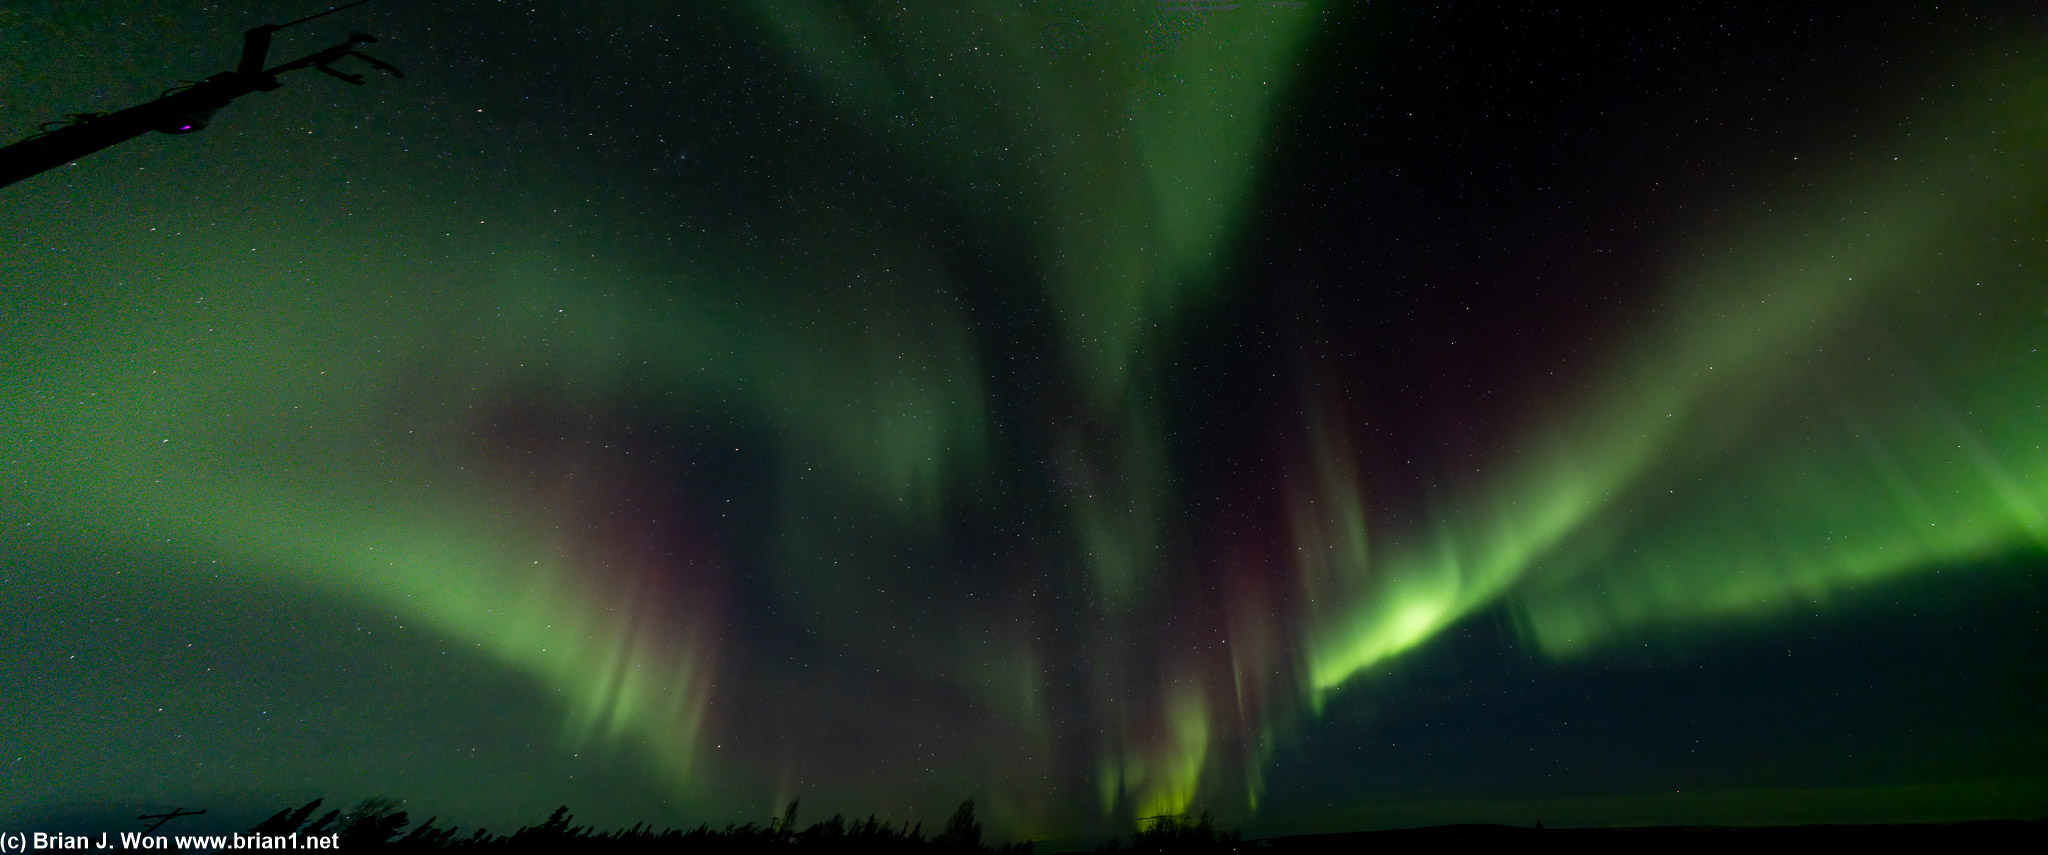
pixel 1176 834
pixel 378 824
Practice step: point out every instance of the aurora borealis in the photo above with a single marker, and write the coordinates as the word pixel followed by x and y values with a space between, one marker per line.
pixel 1331 417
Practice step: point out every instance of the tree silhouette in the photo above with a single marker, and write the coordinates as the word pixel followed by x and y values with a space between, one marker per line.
pixel 372 823
pixel 1176 833
pixel 286 821
pixel 962 832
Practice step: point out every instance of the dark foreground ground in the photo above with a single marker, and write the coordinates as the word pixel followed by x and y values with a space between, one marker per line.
pixel 1985 836
pixel 377 825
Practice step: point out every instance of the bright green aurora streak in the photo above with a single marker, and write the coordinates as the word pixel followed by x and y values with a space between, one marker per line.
pixel 1845 387
pixel 1845 391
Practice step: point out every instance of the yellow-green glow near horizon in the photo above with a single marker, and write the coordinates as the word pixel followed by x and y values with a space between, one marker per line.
pixel 1124 138
pixel 794 466
pixel 315 462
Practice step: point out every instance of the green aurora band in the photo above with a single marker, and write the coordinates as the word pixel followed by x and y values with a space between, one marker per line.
pixel 1856 394
pixel 1846 389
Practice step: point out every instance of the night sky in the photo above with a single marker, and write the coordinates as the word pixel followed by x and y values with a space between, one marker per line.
pixel 1335 417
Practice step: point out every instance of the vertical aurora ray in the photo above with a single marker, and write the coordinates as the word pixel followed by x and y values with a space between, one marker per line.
pixel 1123 139
pixel 1750 455
pixel 223 460
pixel 836 443
pixel 347 434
